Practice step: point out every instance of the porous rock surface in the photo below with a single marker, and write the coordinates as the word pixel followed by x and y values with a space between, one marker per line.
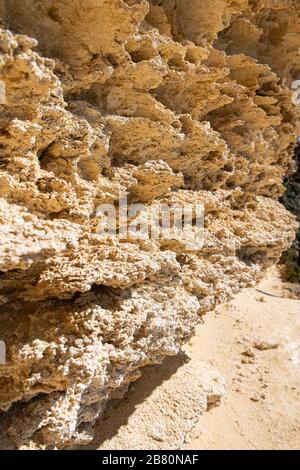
pixel 173 100
pixel 182 389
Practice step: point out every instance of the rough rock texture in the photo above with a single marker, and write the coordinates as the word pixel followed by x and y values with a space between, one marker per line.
pixel 182 390
pixel 291 200
pixel 173 100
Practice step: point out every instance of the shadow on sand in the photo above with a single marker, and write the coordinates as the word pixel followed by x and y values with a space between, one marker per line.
pixel 118 411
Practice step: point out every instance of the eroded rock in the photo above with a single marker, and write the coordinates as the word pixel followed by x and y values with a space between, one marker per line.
pixel 161 101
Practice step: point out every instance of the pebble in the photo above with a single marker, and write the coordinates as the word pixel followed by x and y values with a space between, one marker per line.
pixel 265 345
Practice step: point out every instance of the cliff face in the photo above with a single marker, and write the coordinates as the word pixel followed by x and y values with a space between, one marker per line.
pixel 174 101
pixel 291 200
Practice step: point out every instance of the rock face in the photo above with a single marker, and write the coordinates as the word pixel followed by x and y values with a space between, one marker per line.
pixel 164 419
pixel 173 100
pixel 291 200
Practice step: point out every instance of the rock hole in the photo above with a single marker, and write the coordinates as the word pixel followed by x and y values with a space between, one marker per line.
pixel 53 14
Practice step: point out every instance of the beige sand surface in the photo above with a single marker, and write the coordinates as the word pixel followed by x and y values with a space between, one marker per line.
pixel 261 407
pixel 254 343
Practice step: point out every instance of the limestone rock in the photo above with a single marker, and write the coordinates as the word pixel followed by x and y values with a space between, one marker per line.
pixel 182 391
pixel 159 101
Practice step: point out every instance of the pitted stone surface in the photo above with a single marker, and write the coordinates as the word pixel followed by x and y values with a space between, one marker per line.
pixel 160 101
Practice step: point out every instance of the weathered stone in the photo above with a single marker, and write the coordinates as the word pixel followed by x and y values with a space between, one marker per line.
pixel 160 101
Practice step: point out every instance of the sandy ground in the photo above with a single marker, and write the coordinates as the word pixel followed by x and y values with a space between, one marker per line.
pixel 261 407
pixel 254 343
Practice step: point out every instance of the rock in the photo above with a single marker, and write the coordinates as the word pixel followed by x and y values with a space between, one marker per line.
pixel 249 356
pixel 255 397
pixel 178 103
pixel 258 397
pixel 264 345
pixel 248 360
pixel 191 390
pixel 248 353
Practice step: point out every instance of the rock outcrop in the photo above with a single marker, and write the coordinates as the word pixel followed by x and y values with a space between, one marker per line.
pixel 180 101
pixel 291 200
